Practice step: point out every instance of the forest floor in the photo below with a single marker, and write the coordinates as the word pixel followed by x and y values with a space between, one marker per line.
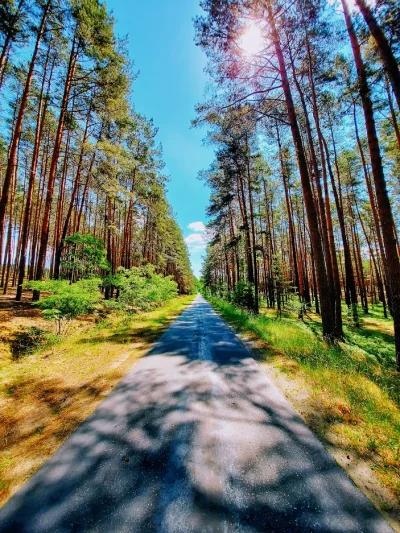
pixel 348 394
pixel 49 385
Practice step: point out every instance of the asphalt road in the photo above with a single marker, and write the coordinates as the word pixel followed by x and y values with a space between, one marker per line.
pixel 195 439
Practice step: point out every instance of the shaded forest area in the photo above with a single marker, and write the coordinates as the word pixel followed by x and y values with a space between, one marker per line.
pixel 303 112
pixel 82 186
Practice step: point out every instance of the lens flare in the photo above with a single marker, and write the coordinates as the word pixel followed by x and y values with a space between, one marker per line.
pixel 251 42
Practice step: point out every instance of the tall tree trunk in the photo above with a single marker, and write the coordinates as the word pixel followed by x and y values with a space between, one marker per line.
pixel 393 114
pixel 125 251
pixel 384 48
pixel 7 255
pixel 64 232
pixel 12 153
pixel 5 51
pixel 327 304
pixel 53 167
pixel 252 223
pixel 379 283
pixel 331 240
pixel 246 226
pixel 372 201
pixel 292 237
pixel 382 197
pixel 351 292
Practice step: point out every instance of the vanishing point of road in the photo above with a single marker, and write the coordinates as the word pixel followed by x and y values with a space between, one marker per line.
pixel 195 439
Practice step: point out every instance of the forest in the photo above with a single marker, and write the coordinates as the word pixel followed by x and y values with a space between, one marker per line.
pixel 93 264
pixel 81 173
pixel 145 409
pixel 303 114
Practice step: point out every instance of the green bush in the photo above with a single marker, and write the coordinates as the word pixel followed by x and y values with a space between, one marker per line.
pixel 140 288
pixel 243 295
pixel 66 301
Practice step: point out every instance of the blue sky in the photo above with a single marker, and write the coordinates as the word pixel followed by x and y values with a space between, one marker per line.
pixel 171 82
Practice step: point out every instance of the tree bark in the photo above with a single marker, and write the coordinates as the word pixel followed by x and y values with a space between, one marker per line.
pixel 12 154
pixel 327 304
pixel 59 247
pixel 382 197
pixel 384 48
pixel 53 167
pixel 31 186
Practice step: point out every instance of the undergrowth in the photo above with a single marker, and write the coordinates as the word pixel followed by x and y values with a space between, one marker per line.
pixel 27 341
pixel 47 389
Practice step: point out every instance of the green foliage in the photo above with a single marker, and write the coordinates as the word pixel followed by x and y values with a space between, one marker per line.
pixel 292 304
pixel 198 285
pixel 114 173
pixel 243 295
pixel 83 255
pixel 140 288
pixel 303 342
pixel 66 301
pixel 221 289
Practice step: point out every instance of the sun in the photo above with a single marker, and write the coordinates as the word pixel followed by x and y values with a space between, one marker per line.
pixel 251 41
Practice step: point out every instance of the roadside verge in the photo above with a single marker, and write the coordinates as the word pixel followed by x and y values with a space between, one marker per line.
pixel 45 394
pixel 337 394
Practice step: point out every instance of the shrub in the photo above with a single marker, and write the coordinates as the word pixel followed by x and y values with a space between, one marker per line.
pixel 220 290
pixel 66 301
pixel 243 295
pixel 140 288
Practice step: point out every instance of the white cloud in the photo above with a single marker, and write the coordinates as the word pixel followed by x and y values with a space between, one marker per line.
pixel 197 226
pixel 196 241
pixel 194 238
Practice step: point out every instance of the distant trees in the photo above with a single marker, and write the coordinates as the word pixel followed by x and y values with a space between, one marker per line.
pixel 84 255
pixel 302 202
pixel 78 165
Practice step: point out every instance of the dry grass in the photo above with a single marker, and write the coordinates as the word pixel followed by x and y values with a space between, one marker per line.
pixel 46 394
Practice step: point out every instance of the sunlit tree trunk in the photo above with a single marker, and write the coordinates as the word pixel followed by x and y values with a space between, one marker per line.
pixel 350 289
pixel 31 183
pixel 327 304
pixel 53 168
pixel 74 192
pixel 12 153
pixel 382 197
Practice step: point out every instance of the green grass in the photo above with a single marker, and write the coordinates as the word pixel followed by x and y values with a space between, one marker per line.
pixel 353 387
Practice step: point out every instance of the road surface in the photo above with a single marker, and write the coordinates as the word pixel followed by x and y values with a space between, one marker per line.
pixel 195 439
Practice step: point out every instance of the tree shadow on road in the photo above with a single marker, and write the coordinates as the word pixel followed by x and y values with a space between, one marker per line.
pixel 195 439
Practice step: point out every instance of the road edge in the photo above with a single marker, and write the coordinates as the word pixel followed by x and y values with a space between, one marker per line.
pixel 356 466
